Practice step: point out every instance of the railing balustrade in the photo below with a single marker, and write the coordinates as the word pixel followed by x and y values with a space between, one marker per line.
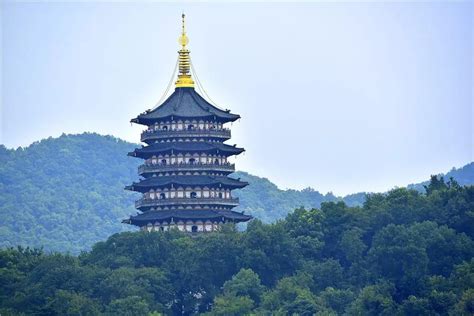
pixel 206 132
pixel 145 202
pixel 158 167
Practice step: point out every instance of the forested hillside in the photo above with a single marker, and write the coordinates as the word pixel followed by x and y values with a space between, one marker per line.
pixel 402 253
pixel 67 193
pixel 463 176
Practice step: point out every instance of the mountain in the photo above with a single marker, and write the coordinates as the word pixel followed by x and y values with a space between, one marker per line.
pixel 67 193
pixel 463 176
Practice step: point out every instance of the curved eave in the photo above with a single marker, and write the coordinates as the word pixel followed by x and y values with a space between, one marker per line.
pixel 142 119
pixel 186 181
pixel 183 215
pixel 185 103
pixel 149 151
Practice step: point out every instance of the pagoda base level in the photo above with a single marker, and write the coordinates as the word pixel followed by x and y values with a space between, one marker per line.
pixel 188 227
pixel 192 221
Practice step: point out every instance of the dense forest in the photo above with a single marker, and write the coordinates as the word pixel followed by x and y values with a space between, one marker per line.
pixel 401 253
pixel 67 193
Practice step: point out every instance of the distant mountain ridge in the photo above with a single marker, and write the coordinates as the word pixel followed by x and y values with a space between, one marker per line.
pixel 463 176
pixel 67 193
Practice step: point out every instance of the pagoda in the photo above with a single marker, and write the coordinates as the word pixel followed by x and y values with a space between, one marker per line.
pixel 184 179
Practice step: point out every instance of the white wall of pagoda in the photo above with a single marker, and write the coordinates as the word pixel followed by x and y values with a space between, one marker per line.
pixel 188 192
pixel 185 125
pixel 184 226
pixel 187 158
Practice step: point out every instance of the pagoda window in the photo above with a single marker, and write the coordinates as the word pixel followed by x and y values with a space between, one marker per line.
pixel 162 196
pixel 192 161
pixel 220 195
pixel 194 229
pixel 193 195
pixel 163 161
pixel 216 161
pixel 190 127
pixel 165 128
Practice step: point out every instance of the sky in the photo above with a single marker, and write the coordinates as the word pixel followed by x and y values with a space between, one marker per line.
pixel 340 97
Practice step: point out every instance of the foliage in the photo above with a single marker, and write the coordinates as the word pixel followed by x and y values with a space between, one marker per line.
pixel 401 253
pixel 67 193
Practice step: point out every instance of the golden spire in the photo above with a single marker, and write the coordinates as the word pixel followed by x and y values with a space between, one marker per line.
pixel 184 76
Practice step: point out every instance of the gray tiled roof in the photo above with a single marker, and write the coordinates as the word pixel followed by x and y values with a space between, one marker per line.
pixel 185 103
pixel 166 181
pixel 177 215
pixel 185 147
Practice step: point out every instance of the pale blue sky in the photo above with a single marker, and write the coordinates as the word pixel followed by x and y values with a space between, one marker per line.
pixel 337 96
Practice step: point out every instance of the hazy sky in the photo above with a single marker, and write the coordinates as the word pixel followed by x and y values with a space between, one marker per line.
pixel 337 96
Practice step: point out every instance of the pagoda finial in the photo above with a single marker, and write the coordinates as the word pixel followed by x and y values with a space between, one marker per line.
pixel 184 76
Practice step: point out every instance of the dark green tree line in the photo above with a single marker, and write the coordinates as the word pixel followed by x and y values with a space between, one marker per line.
pixel 401 253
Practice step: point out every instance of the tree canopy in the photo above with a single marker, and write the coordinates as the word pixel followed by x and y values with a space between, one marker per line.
pixel 66 193
pixel 400 253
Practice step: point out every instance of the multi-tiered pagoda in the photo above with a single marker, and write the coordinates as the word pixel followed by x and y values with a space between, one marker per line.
pixel 184 178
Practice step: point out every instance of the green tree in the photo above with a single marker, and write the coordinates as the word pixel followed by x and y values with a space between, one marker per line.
pixel 326 273
pixel 230 305
pixel 336 300
pixel 291 294
pixel 465 306
pixel 244 283
pixel 374 300
pixel 414 306
pixel 129 306
pixel 73 304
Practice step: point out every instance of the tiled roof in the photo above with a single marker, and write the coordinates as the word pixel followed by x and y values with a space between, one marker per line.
pixel 185 103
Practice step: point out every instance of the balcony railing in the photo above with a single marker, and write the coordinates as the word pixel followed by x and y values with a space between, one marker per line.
pixel 147 202
pixel 195 132
pixel 197 166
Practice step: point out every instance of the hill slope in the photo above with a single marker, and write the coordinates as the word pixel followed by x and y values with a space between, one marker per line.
pixel 67 193
pixel 463 176
pixel 401 253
